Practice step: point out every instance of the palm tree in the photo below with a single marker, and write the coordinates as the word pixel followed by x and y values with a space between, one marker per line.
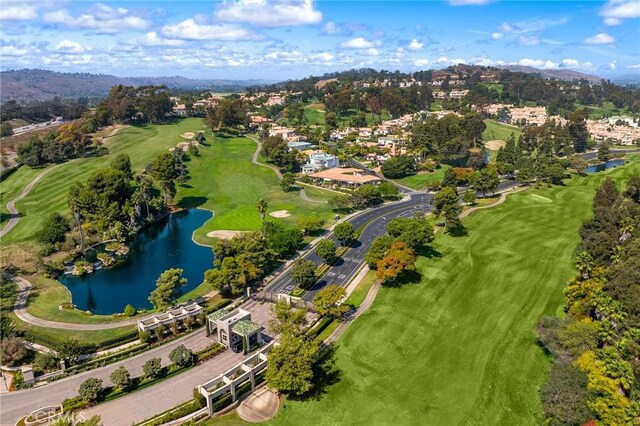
pixel 75 192
pixel 262 206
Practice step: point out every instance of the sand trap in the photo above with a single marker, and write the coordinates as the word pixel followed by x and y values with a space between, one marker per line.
pixel 280 214
pixel 495 144
pixel 188 135
pixel 225 235
pixel 183 145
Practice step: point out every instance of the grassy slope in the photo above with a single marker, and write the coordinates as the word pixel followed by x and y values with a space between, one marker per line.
pixel 460 347
pixel 419 181
pixel 13 186
pixel 50 194
pixel 224 180
pixel 498 131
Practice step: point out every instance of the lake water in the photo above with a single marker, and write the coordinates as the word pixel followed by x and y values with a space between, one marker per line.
pixel 159 247
pixel 605 166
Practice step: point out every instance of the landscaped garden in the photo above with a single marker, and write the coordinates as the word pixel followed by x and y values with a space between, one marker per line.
pixel 422 180
pixel 460 346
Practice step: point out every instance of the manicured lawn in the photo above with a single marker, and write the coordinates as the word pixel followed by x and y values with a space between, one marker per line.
pixel 59 335
pixel 459 347
pixel 224 180
pixel 420 180
pixel 498 131
pixel 50 194
pixel 315 116
pixel 11 187
pixel 48 294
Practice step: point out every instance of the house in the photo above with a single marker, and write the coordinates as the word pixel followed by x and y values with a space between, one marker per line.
pixel 348 177
pixel 235 329
pixel 320 161
pixel 299 146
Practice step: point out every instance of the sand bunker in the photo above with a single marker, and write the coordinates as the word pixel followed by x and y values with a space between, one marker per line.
pixel 225 235
pixel 280 214
pixel 183 145
pixel 188 135
pixel 495 144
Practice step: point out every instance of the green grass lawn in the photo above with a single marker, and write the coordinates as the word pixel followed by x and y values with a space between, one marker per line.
pixel 494 86
pixel 315 114
pixel 50 194
pixel 499 131
pixel 420 180
pixel 460 347
pixel 11 187
pixel 224 180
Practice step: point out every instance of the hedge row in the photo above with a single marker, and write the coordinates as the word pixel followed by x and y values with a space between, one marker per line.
pixel 174 414
pixel 35 335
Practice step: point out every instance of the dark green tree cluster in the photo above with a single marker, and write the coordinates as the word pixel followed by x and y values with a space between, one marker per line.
pixel 398 167
pixel 228 113
pixel 365 196
pixel 596 347
pixel 276 150
pixel 70 140
pixel 126 104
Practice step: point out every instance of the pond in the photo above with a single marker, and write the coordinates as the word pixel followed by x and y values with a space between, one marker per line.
pixel 605 166
pixel 165 245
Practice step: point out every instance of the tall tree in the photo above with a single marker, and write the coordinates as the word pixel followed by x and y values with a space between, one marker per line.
pixel 167 288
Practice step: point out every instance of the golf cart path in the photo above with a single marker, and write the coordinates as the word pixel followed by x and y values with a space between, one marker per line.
pixel 11 205
pixel 255 161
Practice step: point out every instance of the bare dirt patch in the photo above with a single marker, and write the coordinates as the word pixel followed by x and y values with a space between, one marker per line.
pixel 188 135
pixel 224 234
pixel 280 214
pixel 495 145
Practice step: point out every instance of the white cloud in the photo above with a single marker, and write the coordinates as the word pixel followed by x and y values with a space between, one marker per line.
pixel 469 2
pixel 151 39
pixel 634 67
pixel 322 57
pixel 577 65
pixel 359 43
pixel 537 63
pixel 371 52
pixel 70 47
pixel 17 13
pixel 600 38
pixel 612 65
pixel 529 40
pixel 13 51
pixel 277 13
pixel 616 11
pixel 415 45
pixel 104 20
pixel 190 30
pixel 497 35
pixel 421 62
pixel 285 56
pixel 445 60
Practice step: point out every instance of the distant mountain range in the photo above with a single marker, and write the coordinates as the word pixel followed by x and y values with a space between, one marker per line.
pixel 36 84
pixel 563 74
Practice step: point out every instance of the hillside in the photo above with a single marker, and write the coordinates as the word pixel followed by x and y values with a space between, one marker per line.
pixel 36 84
pixel 564 74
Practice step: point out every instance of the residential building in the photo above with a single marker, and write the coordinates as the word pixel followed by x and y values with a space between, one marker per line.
pixel 347 177
pixel 299 146
pixel 320 161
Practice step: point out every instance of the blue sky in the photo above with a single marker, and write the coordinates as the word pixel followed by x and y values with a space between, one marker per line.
pixel 278 39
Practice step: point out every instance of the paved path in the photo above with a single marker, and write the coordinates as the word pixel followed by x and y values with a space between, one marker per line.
pixel 148 402
pixel 17 404
pixel 11 205
pixel 20 309
pixel 255 161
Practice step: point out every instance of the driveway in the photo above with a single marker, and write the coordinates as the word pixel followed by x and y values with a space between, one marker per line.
pixel 14 405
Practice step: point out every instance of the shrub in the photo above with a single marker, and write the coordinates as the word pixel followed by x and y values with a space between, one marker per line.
pixel 13 351
pixel 53 230
pixel 46 362
pixel 90 390
pixel 200 399
pixel 153 368
pixel 181 356
pixel 129 310
pixel 144 336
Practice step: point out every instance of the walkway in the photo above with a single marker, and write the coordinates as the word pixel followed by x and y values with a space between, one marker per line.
pixel 20 309
pixel 167 394
pixel 16 404
pixel 11 205
pixel 255 161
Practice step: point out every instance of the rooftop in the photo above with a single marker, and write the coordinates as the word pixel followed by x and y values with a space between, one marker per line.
pixel 350 175
pixel 245 327
pixel 218 314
